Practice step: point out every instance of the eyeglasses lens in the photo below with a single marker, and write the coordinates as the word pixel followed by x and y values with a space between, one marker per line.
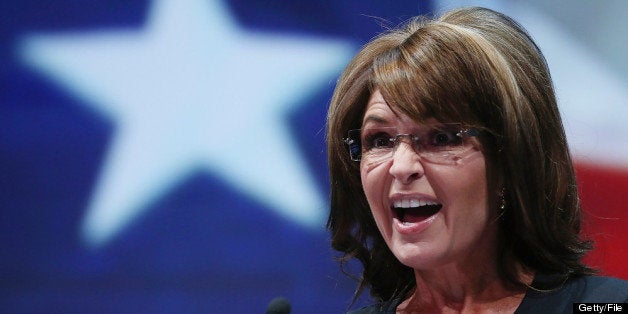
pixel 443 143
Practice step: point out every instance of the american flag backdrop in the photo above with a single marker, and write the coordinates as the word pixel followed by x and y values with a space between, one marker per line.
pixel 168 156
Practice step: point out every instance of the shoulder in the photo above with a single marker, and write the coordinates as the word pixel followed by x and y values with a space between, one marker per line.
pixel 586 289
pixel 379 308
pixel 604 289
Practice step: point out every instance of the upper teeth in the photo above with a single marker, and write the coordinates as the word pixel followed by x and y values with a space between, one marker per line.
pixel 408 203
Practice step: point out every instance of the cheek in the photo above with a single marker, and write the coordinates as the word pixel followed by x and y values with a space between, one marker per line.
pixel 475 191
pixel 466 189
pixel 375 183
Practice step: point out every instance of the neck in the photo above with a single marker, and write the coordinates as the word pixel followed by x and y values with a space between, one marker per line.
pixel 470 282
pixel 458 288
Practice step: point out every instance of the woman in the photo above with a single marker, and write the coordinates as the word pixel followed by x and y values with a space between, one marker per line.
pixel 451 179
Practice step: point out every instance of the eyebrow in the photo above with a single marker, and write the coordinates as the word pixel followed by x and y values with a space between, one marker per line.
pixel 374 119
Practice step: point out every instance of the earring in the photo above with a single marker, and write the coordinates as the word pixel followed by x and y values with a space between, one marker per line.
pixel 502 205
pixel 502 195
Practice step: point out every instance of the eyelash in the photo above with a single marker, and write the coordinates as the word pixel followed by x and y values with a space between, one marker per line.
pixel 372 141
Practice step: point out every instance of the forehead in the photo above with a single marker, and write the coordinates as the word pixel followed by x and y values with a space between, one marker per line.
pixel 379 112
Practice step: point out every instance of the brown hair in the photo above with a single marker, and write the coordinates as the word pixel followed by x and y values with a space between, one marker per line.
pixel 478 67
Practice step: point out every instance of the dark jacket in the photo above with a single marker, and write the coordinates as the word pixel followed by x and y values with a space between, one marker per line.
pixel 587 289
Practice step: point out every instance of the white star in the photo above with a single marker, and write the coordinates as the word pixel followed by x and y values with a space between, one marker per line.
pixel 190 92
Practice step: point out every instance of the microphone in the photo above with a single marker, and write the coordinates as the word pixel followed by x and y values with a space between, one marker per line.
pixel 279 305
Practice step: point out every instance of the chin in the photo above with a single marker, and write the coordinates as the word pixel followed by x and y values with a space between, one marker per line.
pixel 419 256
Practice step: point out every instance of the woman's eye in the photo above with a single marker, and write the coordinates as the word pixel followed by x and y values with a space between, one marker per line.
pixel 378 140
pixel 445 138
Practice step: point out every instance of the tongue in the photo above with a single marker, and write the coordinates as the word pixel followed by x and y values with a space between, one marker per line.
pixel 417 214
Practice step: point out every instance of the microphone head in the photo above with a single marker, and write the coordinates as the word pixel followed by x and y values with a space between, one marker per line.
pixel 278 305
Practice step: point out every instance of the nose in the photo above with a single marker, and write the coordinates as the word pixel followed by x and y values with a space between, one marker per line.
pixel 406 163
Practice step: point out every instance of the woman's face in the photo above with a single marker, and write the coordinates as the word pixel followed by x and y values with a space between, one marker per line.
pixel 429 214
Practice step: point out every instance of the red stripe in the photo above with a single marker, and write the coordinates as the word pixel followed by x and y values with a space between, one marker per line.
pixel 604 197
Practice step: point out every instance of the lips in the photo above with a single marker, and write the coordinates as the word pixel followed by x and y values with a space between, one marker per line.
pixel 414 210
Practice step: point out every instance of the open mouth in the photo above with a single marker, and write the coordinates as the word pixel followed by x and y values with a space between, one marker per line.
pixel 409 211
